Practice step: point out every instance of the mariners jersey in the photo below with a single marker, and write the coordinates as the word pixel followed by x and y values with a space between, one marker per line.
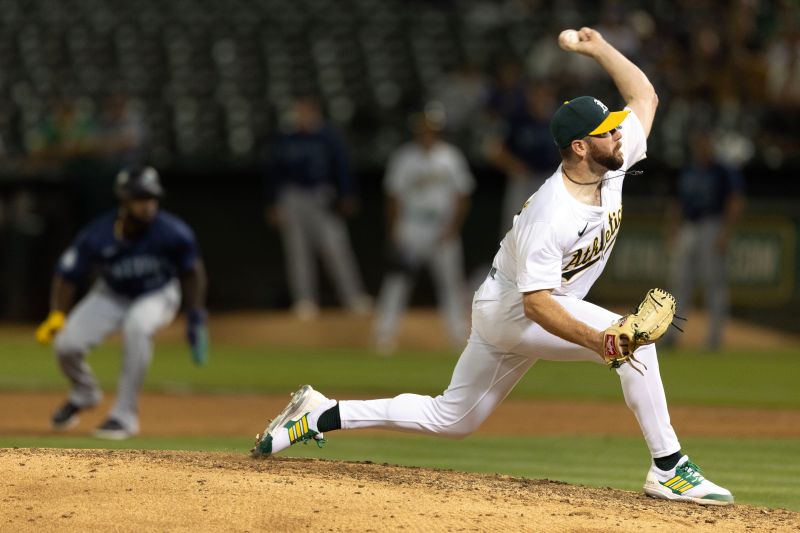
pixel 704 191
pixel 427 183
pixel 131 268
pixel 562 244
pixel 309 160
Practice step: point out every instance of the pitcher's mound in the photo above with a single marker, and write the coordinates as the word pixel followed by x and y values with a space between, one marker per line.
pixel 102 490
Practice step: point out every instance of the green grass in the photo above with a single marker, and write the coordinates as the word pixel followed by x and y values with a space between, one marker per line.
pixel 740 378
pixel 758 471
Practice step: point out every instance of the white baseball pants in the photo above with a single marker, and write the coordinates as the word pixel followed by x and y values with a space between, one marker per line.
pixel 100 313
pixel 503 345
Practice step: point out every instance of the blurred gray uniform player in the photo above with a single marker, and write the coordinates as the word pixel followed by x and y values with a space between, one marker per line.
pixel 709 202
pixel 428 184
pixel 308 187
pixel 525 152
pixel 141 253
pixel 532 307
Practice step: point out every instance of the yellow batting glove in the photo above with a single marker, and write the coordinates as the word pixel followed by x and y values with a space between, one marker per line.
pixel 49 328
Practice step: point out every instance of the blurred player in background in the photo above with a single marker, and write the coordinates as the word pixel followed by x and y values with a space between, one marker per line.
pixel 428 185
pixel 709 202
pixel 524 149
pixel 140 253
pixel 309 187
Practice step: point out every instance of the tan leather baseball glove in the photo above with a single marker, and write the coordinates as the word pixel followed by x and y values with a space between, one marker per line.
pixel 644 326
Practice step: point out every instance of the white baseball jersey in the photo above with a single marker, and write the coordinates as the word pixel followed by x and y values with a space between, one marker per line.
pixel 560 243
pixel 426 185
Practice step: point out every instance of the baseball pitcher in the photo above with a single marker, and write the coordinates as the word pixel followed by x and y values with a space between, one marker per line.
pixel 531 305
pixel 143 256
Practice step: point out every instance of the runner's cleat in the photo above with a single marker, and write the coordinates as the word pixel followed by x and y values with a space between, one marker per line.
pixel 66 417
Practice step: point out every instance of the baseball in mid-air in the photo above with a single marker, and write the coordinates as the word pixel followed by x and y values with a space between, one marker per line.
pixel 567 38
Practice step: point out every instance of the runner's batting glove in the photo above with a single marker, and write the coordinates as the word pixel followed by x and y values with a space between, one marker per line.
pixel 197 335
pixel 644 326
pixel 52 325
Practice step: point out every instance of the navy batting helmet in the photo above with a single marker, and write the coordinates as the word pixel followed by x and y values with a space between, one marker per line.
pixel 141 182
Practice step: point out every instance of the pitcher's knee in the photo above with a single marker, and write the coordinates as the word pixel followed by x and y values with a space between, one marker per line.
pixel 646 359
pixel 647 353
pixel 459 431
pixel 454 421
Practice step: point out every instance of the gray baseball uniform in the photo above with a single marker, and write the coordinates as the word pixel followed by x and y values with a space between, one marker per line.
pixel 137 294
pixel 308 173
pixel 704 191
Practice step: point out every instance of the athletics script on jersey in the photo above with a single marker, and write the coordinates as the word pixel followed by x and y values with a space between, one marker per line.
pixel 584 257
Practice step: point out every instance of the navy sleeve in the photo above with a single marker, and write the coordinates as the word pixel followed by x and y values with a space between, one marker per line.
pixel 187 251
pixel 76 262
pixel 184 251
pixel 340 164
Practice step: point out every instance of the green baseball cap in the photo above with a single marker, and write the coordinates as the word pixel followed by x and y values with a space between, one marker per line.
pixel 583 116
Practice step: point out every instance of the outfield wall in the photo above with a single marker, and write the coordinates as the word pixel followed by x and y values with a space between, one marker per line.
pixel 245 259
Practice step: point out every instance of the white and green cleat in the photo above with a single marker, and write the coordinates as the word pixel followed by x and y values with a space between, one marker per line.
pixel 686 483
pixel 293 424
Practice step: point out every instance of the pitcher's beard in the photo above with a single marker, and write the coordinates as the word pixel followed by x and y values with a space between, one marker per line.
pixel 612 161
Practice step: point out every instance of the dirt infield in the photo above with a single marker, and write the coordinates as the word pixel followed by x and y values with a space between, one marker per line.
pixel 92 490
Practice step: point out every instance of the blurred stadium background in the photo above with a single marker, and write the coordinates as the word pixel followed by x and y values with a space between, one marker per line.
pixel 197 87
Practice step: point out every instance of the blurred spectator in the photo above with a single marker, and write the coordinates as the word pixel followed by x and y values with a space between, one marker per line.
pixel 122 131
pixel 309 187
pixel 506 95
pixel 69 137
pixel 618 31
pixel 700 225
pixel 462 93
pixel 524 151
pixel 783 90
pixel 66 130
pixel 428 184
pixel 116 141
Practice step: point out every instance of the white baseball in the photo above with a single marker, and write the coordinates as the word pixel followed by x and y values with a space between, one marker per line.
pixel 568 38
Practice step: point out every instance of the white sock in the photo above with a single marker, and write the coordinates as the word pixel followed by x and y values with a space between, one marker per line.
pixel 280 440
pixel 313 416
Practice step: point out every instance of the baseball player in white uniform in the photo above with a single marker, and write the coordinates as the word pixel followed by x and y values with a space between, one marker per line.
pixel 428 184
pixel 531 305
